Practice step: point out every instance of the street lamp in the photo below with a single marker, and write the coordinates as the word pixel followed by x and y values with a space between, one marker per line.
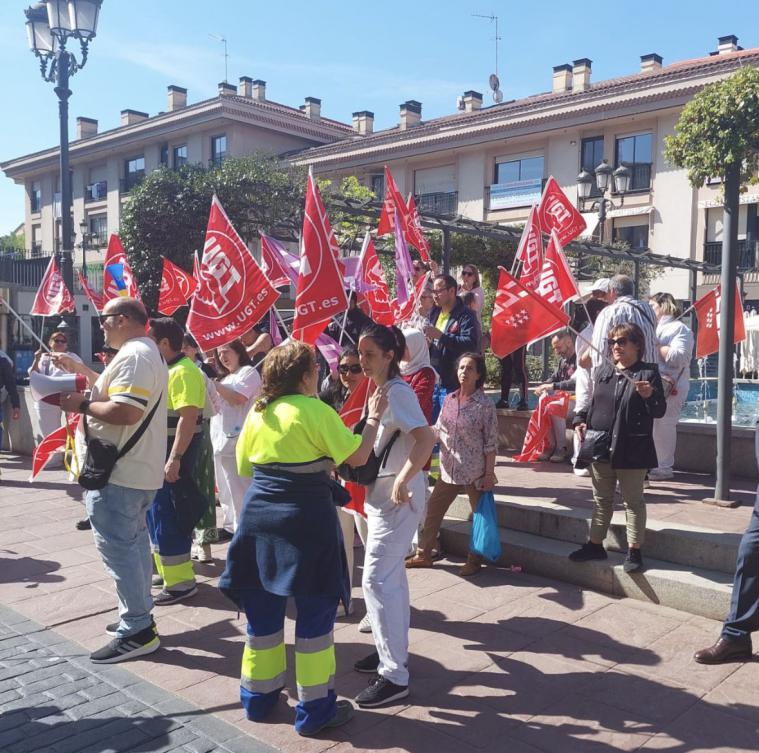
pixel 86 237
pixel 49 26
pixel 604 175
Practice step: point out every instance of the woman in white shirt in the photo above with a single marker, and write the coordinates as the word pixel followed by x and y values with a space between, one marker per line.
pixel 394 506
pixel 470 283
pixel 675 350
pixel 237 390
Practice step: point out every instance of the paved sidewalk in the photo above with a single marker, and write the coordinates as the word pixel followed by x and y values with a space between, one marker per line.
pixel 501 662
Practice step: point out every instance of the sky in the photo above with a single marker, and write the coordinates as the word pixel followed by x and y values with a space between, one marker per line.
pixel 353 56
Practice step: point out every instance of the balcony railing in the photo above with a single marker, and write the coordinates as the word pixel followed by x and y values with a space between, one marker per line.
pixel 28 273
pixel 96 191
pixel 131 180
pixel 748 251
pixel 446 203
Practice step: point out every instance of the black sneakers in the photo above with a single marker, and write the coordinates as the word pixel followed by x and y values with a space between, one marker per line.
pixel 112 629
pixel 164 598
pixel 122 649
pixel 380 692
pixel 343 714
pixel 633 561
pixel 368 664
pixel 588 551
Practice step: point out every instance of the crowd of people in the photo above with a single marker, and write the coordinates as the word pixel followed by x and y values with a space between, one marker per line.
pixel 295 483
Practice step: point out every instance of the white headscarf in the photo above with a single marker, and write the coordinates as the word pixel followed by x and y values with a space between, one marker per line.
pixel 419 352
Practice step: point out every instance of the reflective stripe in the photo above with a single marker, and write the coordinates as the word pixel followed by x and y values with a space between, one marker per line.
pixel 263 663
pixel 312 645
pixel 157 560
pixel 263 686
pixel 315 668
pixel 266 641
pixel 174 559
pixel 315 692
pixel 177 575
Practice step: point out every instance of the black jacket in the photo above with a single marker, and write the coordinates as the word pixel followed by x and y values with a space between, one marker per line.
pixel 460 336
pixel 632 441
pixel 8 380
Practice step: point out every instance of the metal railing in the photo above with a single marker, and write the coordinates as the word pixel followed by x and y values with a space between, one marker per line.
pixel 96 191
pixel 28 273
pixel 748 250
pixel 438 203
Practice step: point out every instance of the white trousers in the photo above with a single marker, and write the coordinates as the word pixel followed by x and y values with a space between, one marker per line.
pixel 46 419
pixel 386 592
pixel 346 525
pixel 232 488
pixel 665 432
pixel 559 433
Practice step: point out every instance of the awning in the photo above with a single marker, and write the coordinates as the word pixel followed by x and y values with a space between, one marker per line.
pixel 629 211
pixel 745 198
pixel 591 220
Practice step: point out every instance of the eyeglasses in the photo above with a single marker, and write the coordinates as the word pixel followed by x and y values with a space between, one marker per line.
pixel 344 368
pixel 621 341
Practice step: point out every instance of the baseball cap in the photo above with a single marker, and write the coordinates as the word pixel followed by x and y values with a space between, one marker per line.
pixel 602 285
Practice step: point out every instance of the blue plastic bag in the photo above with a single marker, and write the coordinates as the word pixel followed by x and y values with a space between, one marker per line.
pixel 485 539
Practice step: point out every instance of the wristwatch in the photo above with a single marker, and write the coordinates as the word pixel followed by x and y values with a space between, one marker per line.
pixel 83 406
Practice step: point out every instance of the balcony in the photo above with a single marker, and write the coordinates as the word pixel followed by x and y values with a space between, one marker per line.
pixel 26 273
pixel 444 203
pixel 514 194
pixel 747 253
pixel 96 191
pixel 131 180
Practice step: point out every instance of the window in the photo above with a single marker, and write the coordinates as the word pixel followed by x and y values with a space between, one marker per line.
pixel 218 149
pixel 636 153
pixel 591 156
pixel 134 172
pixel 378 186
pixel 98 230
pixel 180 156
pixel 164 155
pixel 636 236
pixel 36 240
pixel 35 197
pixel 518 183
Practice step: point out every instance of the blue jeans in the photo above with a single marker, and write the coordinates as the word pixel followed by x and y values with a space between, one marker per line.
pixel 117 515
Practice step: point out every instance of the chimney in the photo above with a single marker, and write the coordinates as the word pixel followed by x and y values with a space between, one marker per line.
pixel 651 62
pixel 411 114
pixel 363 122
pixel 259 90
pixel 177 97
pixel 226 89
pixel 313 108
pixel 727 44
pixel 472 100
pixel 130 117
pixel 562 78
pixel 86 128
pixel 581 75
pixel 245 89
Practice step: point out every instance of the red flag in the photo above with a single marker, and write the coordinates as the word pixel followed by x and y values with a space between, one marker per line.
pixel 271 261
pixel 530 251
pixel 556 212
pixel 52 443
pixel 53 297
pixel 94 298
pixel 351 413
pixel 177 287
pixel 233 293
pixel 320 294
pixel 402 311
pixel 111 287
pixel 195 268
pixel 707 311
pixel 520 316
pixel 415 234
pixel 536 438
pixel 370 273
pixel 557 285
pixel 393 203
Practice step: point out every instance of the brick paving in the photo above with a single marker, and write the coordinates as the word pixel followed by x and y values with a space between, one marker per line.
pixel 502 662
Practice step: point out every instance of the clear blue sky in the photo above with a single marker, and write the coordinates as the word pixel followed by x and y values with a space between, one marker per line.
pixel 353 56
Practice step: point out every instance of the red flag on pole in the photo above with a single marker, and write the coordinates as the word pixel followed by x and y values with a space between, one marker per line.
pixel 351 413
pixel 556 212
pixel 112 287
pixel 94 298
pixel 320 294
pixel 557 284
pixel 53 297
pixel 195 268
pixel 177 287
pixel 376 292
pixel 707 312
pixel 530 251
pixel 393 203
pixel 271 261
pixel 536 438
pixel 233 293
pixel 415 235
pixel 520 316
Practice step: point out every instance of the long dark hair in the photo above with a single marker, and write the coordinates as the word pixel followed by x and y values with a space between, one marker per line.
pixel 387 339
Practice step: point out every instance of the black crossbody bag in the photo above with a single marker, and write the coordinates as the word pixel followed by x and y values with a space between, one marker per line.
pixel 367 473
pixel 102 454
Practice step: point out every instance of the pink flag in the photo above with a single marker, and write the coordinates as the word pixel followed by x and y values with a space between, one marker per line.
pixel 403 265
pixel 330 349
pixel 273 255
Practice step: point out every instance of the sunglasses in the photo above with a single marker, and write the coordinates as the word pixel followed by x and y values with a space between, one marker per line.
pixel 60 341
pixel 352 369
pixel 621 341
pixel 104 317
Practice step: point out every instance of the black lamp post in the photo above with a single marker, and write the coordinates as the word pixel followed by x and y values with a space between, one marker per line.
pixel 86 238
pixel 622 177
pixel 49 26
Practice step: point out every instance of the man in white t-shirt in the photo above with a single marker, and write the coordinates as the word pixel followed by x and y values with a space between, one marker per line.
pixel 131 387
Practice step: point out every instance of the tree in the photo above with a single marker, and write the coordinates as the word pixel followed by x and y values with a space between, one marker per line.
pixel 167 214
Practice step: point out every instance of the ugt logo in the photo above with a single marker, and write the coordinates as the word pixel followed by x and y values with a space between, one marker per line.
pixel 220 276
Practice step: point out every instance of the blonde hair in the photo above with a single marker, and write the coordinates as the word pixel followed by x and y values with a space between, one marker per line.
pixel 667 304
pixel 282 372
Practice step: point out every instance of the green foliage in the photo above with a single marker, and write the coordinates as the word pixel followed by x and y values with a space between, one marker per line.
pixel 167 214
pixel 13 242
pixel 717 128
pixel 349 229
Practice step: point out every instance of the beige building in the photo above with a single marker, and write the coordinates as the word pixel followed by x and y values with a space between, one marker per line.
pixel 489 163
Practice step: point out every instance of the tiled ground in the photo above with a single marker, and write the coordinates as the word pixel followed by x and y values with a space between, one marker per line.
pixel 503 662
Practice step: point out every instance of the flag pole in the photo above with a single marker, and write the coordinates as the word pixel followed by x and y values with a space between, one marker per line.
pixel 23 323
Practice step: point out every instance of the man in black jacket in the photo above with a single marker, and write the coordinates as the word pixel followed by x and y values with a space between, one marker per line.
pixel 8 386
pixel 453 331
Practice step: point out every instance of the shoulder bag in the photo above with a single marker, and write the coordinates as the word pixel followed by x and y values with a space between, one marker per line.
pixel 367 473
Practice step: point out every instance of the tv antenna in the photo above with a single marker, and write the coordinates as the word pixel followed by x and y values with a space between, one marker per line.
pixel 494 80
pixel 223 40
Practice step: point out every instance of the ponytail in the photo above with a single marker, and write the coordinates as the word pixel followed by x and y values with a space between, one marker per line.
pixel 388 339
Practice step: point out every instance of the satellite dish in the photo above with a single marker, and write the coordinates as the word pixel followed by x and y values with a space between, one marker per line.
pixel 494 82
pixel 498 96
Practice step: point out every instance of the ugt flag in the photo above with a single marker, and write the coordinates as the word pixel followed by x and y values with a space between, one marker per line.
pixel 320 294
pixel 177 287
pixel 415 235
pixel 53 297
pixel 118 280
pixel 94 298
pixel 536 438
pixel 376 293
pixel 707 311
pixel 393 203
pixel 530 251
pixel 557 284
pixel 233 293
pixel 556 212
